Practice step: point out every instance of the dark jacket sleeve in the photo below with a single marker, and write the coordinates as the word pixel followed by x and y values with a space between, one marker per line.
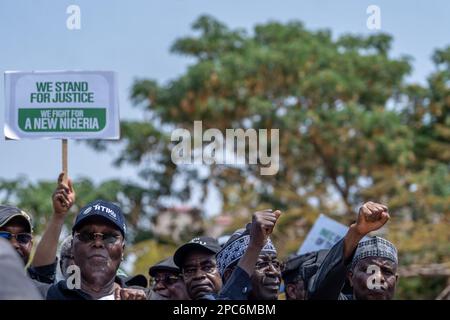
pixel 330 278
pixel 44 274
pixel 237 287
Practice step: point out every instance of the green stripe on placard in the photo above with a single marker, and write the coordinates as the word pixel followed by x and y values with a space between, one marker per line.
pixel 62 119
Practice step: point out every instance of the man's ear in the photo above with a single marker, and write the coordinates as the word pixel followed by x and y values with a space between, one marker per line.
pixel 350 277
pixel 291 291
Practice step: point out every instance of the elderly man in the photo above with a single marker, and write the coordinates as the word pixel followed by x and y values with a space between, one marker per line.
pixel 16 227
pixel 168 281
pixel 97 247
pixel 197 261
pixel 369 265
pixel 266 275
pixel 373 272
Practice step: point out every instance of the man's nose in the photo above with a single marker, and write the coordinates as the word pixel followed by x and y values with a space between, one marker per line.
pixel 199 274
pixel 381 277
pixel 271 269
pixel 98 242
pixel 379 274
pixel 159 285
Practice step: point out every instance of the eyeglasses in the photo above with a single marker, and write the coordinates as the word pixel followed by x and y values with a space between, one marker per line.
pixel 263 265
pixel 190 271
pixel 22 238
pixel 166 280
pixel 89 237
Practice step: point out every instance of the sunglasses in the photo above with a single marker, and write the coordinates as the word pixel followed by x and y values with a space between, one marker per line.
pixel 89 237
pixel 22 238
pixel 166 280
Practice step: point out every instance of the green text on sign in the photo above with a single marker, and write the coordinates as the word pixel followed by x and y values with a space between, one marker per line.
pixel 62 119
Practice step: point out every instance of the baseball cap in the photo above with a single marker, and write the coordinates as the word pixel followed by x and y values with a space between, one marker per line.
pixel 165 265
pixel 207 244
pixel 104 209
pixel 9 212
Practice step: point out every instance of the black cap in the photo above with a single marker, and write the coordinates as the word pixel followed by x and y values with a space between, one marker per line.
pixel 164 265
pixel 138 280
pixel 8 212
pixel 206 244
pixel 104 209
pixel 305 265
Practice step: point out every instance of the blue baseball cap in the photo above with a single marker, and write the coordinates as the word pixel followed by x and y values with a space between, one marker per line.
pixel 104 209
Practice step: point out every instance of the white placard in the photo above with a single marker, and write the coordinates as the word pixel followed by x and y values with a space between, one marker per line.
pixel 323 235
pixel 61 105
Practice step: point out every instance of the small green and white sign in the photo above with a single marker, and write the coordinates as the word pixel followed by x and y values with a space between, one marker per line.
pixel 61 105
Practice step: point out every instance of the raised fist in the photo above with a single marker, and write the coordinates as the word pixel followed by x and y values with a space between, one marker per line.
pixel 372 216
pixel 262 226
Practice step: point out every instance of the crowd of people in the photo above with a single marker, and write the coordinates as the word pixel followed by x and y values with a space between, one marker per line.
pixel 246 267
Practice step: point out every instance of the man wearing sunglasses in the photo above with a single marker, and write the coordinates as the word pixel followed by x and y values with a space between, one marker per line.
pixel 97 248
pixel 167 280
pixel 15 226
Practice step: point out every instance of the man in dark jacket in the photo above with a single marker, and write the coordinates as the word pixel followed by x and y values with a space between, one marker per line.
pixel 369 265
pixel 97 247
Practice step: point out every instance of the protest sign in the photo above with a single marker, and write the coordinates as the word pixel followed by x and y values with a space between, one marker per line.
pixel 61 105
pixel 323 235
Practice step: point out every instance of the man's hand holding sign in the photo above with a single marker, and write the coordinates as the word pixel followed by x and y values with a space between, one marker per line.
pixel 60 105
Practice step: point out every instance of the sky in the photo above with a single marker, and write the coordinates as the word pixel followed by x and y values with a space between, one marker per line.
pixel 133 38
